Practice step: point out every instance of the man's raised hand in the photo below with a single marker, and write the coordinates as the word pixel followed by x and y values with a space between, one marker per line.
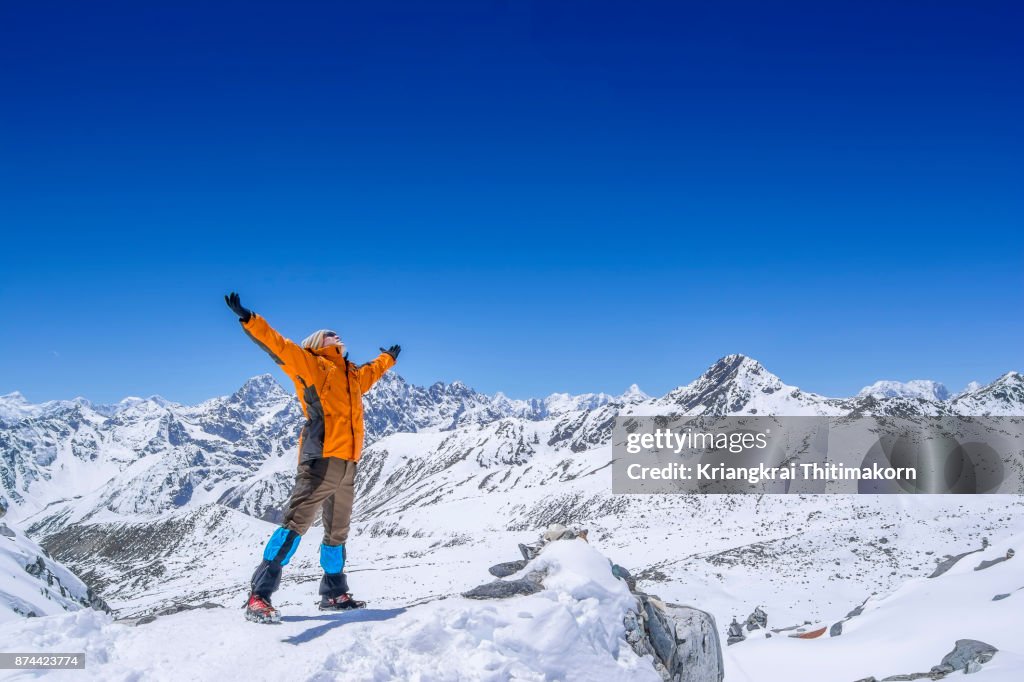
pixel 236 306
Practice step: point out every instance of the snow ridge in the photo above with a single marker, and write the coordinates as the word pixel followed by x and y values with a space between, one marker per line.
pixel 918 388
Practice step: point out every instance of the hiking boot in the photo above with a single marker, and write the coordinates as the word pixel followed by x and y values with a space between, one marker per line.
pixel 259 610
pixel 343 603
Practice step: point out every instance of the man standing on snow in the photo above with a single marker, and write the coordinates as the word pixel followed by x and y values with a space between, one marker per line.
pixel 330 390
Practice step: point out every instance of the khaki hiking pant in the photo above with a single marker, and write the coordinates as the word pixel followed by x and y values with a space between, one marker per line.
pixel 327 483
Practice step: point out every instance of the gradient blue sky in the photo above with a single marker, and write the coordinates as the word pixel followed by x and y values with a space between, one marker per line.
pixel 529 197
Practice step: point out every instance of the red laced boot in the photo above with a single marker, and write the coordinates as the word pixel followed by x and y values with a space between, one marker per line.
pixel 259 610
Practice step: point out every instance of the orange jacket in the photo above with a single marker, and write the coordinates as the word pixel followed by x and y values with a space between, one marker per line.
pixel 330 389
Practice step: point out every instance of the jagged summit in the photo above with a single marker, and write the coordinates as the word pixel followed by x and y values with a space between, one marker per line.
pixel 737 384
pixel 259 388
pixel 737 367
pixel 633 394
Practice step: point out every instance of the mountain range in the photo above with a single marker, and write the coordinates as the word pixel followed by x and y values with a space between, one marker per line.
pixel 153 503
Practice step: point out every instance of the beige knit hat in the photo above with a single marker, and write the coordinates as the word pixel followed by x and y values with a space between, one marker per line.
pixel 316 340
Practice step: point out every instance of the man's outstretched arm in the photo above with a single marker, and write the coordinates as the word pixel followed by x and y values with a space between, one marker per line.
pixel 285 352
pixel 372 371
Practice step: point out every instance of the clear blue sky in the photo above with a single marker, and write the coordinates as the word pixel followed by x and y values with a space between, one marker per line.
pixel 529 197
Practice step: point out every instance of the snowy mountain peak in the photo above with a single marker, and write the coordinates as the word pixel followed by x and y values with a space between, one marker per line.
pixel 455 389
pixel 14 407
pixel 739 369
pixel 633 394
pixel 918 388
pixel 970 388
pixel 560 403
pixel 737 384
pixel 737 366
pixel 259 390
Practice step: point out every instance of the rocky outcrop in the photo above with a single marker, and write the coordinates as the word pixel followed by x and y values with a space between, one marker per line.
pixel 39 570
pixel 507 568
pixel 837 628
pixel 682 641
pixel 950 561
pixel 735 633
pixel 757 619
pixel 967 655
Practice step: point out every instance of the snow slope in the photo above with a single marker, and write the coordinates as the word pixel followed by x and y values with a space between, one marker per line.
pixel 906 630
pixel 32 584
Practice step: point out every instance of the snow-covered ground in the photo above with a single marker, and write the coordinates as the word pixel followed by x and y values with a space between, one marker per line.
pixel 572 630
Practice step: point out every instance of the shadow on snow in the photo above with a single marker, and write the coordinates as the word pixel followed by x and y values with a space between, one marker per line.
pixel 334 620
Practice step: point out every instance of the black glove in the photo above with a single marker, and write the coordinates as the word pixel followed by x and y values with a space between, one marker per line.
pixel 393 351
pixel 236 306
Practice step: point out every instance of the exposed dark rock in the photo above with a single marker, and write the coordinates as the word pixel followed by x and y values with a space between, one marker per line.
pixel 660 632
pixel 5 531
pixel 965 651
pixel 992 562
pixel 502 589
pixel 967 655
pixel 508 568
pixel 622 574
pixel 683 641
pixel 837 628
pixel 735 633
pixel 36 568
pixel 96 602
pixel 529 551
pixel 757 620
pixel 698 650
pixel 950 561
pixel 652 574
pixel 178 608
